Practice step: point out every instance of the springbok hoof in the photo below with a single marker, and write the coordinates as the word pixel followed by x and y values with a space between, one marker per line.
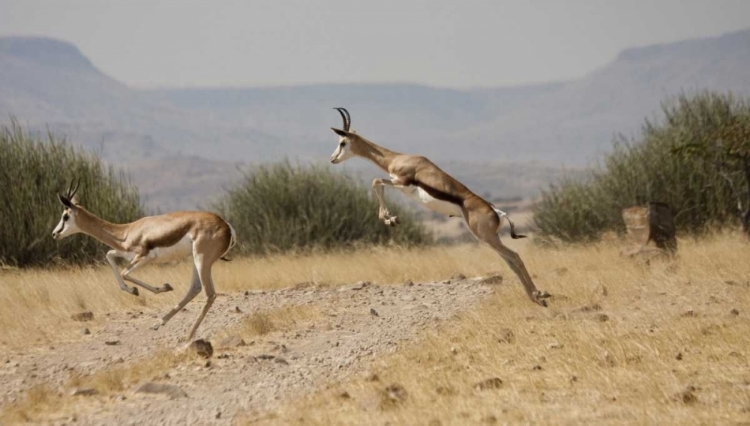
pixel 155 326
pixel 540 297
pixel 166 287
pixel 134 291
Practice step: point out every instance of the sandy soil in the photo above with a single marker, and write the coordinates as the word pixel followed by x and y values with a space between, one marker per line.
pixel 354 325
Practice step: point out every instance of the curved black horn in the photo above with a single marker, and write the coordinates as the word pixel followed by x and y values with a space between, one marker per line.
pixel 347 118
pixel 72 189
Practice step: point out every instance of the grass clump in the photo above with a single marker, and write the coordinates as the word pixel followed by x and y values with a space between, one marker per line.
pixel 32 173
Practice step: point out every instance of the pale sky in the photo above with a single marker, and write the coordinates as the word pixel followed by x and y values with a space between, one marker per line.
pixel 154 43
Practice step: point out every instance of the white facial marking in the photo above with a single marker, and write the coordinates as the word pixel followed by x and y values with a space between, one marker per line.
pixel 343 151
pixel 67 225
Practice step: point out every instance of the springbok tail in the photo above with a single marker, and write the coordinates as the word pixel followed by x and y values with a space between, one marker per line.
pixel 501 214
pixel 232 242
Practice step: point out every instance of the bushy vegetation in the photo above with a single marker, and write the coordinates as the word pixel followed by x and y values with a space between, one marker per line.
pixel 691 159
pixel 32 173
pixel 280 207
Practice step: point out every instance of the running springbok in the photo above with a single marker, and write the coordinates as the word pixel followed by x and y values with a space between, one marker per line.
pixel 155 239
pixel 420 179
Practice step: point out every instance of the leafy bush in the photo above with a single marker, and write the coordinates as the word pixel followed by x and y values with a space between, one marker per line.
pixel 32 173
pixel 280 207
pixel 701 192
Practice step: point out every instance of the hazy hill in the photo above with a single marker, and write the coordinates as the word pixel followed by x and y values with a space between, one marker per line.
pixel 163 136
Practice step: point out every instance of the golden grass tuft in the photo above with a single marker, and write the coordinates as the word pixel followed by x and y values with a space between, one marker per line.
pixel 39 398
pixel 284 318
pixel 622 342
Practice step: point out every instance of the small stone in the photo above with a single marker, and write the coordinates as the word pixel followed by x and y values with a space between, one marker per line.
pixel 409 283
pixel 280 360
pixel 112 342
pixel 689 314
pixel 237 310
pixel 345 395
pixel 266 356
pixel 601 317
pixel 493 279
pixel 555 346
pixel 247 293
pixel 458 277
pixel 491 383
pixel 536 368
pixel 454 351
pixel 85 331
pixel 84 392
pixel 83 316
pixel 734 312
pixel 395 393
pixel 170 390
pixel 373 377
pixel 374 313
pixel 202 348
pixel 506 336
pixel 360 285
pixel 678 357
pixel 687 396
pixel 232 341
pixel 490 420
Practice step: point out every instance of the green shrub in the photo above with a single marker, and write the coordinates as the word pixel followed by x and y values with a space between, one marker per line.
pixel 280 207
pixel 702 193
pixel 32 173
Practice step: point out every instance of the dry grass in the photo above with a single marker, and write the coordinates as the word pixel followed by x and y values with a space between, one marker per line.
pixel 622 342
pixel 38 398
pixel 41 401
pixel 37 304
pixel 282 319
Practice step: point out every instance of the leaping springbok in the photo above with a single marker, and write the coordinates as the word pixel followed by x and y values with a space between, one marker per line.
pixel 155 239
pixel 420 179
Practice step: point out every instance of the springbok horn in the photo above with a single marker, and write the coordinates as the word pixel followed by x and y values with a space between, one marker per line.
pixel 346 118
pixel 73 189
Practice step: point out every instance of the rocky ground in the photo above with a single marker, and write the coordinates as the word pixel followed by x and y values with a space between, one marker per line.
pixel 352 326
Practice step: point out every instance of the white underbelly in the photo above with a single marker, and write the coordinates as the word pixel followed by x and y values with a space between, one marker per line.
pixel 179 251
pixel 422 197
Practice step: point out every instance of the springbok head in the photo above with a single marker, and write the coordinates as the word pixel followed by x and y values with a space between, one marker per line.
pixel 347 138
pixel 67 225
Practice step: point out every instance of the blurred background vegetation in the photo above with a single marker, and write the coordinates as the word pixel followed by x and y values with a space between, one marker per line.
pixel 695 159
pixel 32 173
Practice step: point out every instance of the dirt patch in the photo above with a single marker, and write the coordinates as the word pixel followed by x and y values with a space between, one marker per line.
pixel 281 355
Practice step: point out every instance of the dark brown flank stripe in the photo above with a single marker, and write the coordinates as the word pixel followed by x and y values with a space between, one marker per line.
pixel 170 239
pixel 437 194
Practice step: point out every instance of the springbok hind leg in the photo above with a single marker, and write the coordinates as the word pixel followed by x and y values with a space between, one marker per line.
pixel 516 264
pixel 204 272
pixel 195 288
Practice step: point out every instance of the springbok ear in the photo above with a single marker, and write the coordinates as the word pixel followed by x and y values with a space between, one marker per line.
pixel 65 201
pixel 340 132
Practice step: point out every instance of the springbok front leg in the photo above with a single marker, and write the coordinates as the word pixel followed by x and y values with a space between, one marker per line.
pixel 383 214
pixel 111 256
pixel 485 227
pixel 138 262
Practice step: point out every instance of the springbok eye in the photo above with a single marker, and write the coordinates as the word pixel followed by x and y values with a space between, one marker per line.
pixel 342 144
pixel 65 217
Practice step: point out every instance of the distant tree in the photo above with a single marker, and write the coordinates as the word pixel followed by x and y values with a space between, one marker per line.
pixel 725 145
